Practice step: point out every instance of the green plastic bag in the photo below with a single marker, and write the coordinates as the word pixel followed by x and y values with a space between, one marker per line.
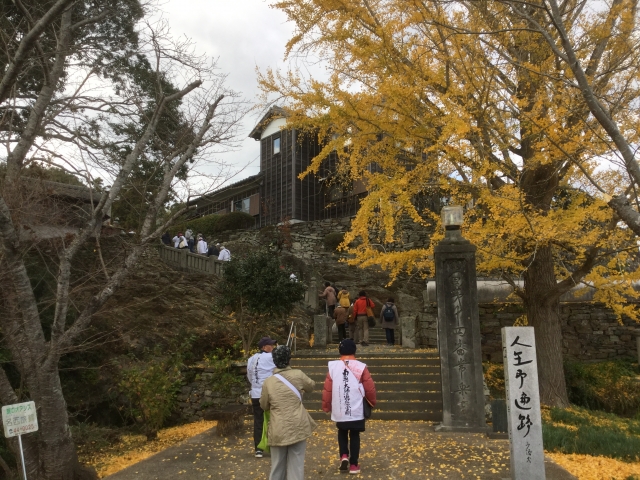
pixel 264 442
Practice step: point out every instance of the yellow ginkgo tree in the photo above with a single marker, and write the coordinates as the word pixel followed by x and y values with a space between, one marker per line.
pixel 476 101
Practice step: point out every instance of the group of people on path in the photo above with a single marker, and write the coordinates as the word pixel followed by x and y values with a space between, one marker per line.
pixel 196 244
pixel 277 388
pixel 357 316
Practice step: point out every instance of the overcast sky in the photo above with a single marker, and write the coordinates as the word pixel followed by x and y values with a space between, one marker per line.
pixel 243 34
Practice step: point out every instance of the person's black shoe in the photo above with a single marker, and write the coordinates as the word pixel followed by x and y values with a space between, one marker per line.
pixel 258 453
pixel 364 344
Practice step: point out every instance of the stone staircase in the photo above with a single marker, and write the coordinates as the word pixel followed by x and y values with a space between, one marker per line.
pixel 407 383
pixel 376 336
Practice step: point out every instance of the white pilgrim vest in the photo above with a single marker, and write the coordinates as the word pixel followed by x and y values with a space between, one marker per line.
pixel 348 393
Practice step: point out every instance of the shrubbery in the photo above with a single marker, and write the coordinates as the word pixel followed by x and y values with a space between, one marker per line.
pixel 212 225
pixel 224 379
pixel 150 388
pixel 610 386
pixel 333 240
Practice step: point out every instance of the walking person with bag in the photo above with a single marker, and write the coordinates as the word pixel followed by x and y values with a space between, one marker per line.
pixel 289 422
pixel 340 314
pixel 348 394
pixel 389 320
pixel 259 367
pixel 362 312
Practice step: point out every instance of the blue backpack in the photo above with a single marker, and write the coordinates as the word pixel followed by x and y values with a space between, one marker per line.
pixel 388 314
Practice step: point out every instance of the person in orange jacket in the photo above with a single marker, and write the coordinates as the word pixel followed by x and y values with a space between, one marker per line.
pixel 347 386
pixel 361 318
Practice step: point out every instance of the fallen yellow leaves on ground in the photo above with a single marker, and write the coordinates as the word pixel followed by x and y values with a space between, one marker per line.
pixel 135 448
pixel 587 467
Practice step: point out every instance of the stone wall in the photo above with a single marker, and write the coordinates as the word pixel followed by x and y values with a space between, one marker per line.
pixel 197 394
pixel 590 331
pixel 307 238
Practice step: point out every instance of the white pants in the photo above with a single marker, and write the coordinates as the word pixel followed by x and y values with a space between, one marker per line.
pixel 287 463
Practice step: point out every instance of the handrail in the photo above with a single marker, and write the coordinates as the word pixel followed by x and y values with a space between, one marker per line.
pixel 292 339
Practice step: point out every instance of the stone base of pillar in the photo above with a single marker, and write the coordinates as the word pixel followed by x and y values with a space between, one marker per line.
pixel 320 331
pixel 408 331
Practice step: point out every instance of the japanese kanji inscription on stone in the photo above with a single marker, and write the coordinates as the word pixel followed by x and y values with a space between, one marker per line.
pixel 523 403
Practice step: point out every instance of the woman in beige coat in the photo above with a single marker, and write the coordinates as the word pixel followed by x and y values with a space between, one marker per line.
pixel 290 424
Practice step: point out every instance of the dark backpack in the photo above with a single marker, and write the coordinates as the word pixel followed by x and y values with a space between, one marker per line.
pixel 388 314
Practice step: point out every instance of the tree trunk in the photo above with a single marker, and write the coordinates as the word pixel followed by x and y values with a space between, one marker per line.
pixel 58 458
pixel 542 313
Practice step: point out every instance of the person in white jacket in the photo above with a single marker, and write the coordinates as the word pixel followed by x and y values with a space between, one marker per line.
pixel 202 246
pixel 259 367
pixel 225 255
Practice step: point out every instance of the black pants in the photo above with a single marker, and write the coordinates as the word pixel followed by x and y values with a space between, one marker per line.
pixel 349 442
pixel 258 421
pixel 342 332
pixel 391 339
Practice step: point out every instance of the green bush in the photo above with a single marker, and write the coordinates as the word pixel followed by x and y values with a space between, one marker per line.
pixel 576 430
pixel 608 386
pixel 333 240
pixel 212 225
pixel 223 378
pixel 150 388
pixel 234 221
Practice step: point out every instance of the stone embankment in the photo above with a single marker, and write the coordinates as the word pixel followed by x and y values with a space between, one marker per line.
pixel 199 393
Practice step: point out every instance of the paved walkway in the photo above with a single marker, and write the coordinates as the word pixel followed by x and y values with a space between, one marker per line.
pixel 390 450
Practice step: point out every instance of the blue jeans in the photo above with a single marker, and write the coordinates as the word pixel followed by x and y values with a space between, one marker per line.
pixel 390 332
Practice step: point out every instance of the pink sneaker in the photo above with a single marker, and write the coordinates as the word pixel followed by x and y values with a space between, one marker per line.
pixel 344 462
pixel 354 469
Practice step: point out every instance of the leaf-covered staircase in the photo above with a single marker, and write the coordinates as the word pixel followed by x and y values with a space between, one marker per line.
pixel 407 382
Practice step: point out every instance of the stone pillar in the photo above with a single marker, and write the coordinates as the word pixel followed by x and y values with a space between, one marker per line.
pixel 183 258
pixel 459 335
pixel 313 293
pixel 320 331
pixel 408 331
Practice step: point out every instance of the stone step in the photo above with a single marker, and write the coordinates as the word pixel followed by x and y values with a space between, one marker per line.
pixel 388 396
pixel 377 370
pixel 386 406
pixel 389 415
pixel 389 378
pixel 399 362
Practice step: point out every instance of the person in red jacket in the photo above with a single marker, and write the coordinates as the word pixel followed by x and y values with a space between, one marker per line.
pixel 347 386
pixel 360 315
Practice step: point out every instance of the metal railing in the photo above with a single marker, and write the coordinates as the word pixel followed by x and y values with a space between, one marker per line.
pixel 292 339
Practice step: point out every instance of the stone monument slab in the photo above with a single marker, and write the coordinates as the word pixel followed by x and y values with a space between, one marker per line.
pixel 523 403
pixel 463 408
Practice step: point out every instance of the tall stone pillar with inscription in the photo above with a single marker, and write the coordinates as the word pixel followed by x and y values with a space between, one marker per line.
pixel 458 329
